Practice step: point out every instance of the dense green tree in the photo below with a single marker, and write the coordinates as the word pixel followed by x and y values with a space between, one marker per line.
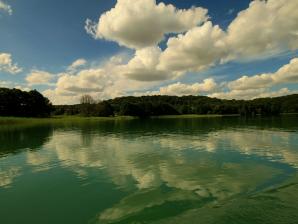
pixel 15 102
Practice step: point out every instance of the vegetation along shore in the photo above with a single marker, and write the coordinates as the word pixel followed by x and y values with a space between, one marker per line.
pixel 17 103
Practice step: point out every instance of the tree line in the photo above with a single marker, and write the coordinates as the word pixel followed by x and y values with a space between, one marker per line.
pixel 15 102
pixel 147 106
pixel 18 103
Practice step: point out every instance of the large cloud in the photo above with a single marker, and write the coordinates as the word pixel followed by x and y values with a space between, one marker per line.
pixel 258 86
pixel 286 74
pixel 110 80
pixel 5 7
pixel 246 87
pixel 249 94
pixel 37 77
pixel 265 28
pixel 7 65
pixel 181 89
pixel 196 50
pixel 90 80
pixel 143 23
pixel 70 87
pixel 101 82
pixel 252 82
pixel 143 66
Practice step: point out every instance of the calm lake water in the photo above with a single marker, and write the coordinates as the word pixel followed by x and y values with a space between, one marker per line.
pixel 202 170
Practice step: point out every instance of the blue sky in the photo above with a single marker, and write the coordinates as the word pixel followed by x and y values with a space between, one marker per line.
pixel 42 39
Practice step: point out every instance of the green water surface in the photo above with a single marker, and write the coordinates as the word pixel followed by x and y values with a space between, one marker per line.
pixel 189 170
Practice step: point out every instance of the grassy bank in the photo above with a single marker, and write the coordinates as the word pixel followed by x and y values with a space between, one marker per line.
pixel 18 120
pixel 56 119
pixel 193 116
pixel 74 119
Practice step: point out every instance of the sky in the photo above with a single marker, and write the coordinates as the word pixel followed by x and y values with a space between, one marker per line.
pixel 226 49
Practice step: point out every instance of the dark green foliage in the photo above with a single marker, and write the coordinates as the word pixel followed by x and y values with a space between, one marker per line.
pixel 103 109
pixel 164 109
pixel 131 109
pixel 88 109
pixel 18 103
pixel 66 110
pixel 14 102
pixel 146 109
pixel 172 105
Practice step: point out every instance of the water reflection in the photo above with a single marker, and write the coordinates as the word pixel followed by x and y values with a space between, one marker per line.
pixel 15 138
pixel 163 169
pixel 8 175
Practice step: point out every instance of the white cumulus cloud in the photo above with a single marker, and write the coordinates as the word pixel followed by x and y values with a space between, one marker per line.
pixel 143 66
pixel 37 77
pixel 143 23
pixel 258 86
pixel 101 82
pixel 90 80
pixel 249 94
pixel 265 28
pixel 181 89
pixel 286 74
pixel 196 50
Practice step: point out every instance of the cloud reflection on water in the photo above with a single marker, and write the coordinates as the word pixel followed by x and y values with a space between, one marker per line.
pixel 211 166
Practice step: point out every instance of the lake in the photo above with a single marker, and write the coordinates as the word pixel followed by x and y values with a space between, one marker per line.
pixel 189 170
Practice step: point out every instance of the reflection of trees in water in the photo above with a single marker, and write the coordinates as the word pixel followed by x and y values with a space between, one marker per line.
pixel 16 138
pixel 188 125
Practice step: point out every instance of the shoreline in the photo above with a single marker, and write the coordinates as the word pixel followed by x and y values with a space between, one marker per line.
pixel 54 119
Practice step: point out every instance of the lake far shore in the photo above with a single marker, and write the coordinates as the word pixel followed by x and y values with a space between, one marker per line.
pixel 20 120
pixel 54 119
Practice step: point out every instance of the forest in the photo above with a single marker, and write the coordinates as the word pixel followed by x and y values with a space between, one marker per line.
pixel 147 106
pixel 18 103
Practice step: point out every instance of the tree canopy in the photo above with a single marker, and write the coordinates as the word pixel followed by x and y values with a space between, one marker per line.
pixel 146 106
pixel 15 102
